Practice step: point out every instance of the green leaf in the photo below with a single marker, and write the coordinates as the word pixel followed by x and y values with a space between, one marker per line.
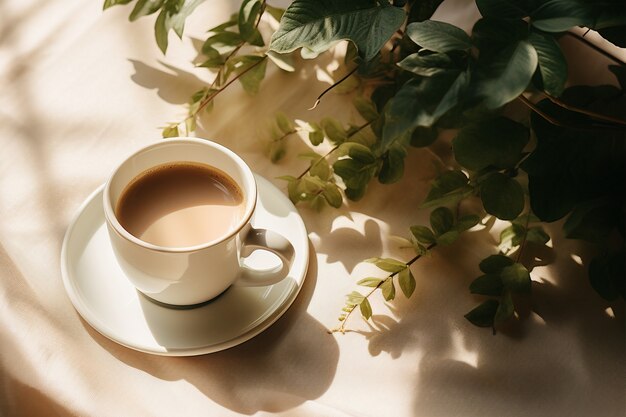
pixel 488 284
pixel 220 40
pixel 370 282
pixel 516 278
pixel 176 18
pixel 561 15
pixel 388 264
pixel 393 165
pixel 438 36
pixel 366 108
pixel 332 195
pixel 144 8
pixel 161 31
pixel 246 22
pixel 320 168
pixel 366 308
pixel 502 196
pixel 170 131
pixel 441 220
pixel 334 130
pixel 448 238
pixel 421 102
pixel 173 18
pixel 491 36
pixel 493 142
pixel 512 235
pixel 552 63
pixel 355 297
pixel 361 153
pixel 284 123
pixel 537 235
pixel 275 12
pixel 282 61
pixel 423 235
pixel 494 264
pixel 502 9
pixel 505 309
pixel 449 187
pixel 466 222
pixel 276 150
pixel 428 65
pixel 508 75
pixel 484 314
pixel 388 289
pixel 252 78
pixel 109 3
pixel 316 137
pixel 406 280
pixel 317 24
pixel 292 188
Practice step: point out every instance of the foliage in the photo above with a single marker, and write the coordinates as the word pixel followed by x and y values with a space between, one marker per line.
pixel 417 76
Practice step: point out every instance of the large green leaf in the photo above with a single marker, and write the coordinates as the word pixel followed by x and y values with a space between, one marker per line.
pixel 421 102
pixel 561 15
pixel 317 24
pixel 110 3
pixel 438 36
pixel 507 75
pixel 552 63
pixel 493 142
pixel 145 8
pixel 172 16
pixel 502 196
pixel 427 65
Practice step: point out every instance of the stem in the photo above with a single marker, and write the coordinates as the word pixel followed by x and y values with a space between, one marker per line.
pixel 283 137
pixel 319 98
pixel 210 97
pixel 318 161
pixel 334 149
pixel 342 328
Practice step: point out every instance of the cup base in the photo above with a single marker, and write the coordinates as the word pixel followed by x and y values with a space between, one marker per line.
pixel 182 306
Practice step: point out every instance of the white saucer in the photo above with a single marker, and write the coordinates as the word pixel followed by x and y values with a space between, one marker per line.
pixel 105 298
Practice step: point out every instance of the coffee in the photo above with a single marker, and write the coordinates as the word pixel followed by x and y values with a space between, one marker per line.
pixel 180 205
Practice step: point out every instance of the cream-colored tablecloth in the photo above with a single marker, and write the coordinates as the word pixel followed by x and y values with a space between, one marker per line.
pixel 80 89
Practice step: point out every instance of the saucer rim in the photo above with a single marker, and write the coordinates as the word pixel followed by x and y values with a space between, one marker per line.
pixel 86 314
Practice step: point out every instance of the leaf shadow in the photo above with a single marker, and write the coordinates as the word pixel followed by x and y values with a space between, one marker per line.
pixel 174 87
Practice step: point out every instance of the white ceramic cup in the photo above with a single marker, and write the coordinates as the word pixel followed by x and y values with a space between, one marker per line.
pixel 192 275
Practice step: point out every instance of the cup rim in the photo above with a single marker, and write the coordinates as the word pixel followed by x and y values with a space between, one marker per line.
pixel 250 197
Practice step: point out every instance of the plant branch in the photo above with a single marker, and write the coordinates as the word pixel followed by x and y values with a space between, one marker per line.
pixel 210 97
pixel 363 126
pixel 345 77
pixel 342 328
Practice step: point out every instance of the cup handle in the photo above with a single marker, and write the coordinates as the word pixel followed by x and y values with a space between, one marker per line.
pixel 273 242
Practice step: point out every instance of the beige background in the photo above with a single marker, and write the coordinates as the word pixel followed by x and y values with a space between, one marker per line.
pixel 80 89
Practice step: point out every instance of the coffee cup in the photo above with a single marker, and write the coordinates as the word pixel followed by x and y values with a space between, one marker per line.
pixel 178 215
